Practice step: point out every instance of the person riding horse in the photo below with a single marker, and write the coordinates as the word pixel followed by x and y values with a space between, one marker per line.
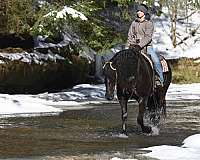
pixel 140 38
pixel 132 75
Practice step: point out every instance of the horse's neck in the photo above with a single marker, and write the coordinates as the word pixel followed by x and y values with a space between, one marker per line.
pixel 123 57
pixel 145 64
pixel 145 73
pixel 126 66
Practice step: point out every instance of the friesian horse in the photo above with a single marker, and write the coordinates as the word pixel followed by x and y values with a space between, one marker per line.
pixel 133 76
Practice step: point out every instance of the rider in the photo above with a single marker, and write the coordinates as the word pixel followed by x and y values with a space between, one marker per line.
pixel 140 37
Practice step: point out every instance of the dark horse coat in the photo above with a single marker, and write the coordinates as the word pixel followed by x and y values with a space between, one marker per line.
pixel 133 76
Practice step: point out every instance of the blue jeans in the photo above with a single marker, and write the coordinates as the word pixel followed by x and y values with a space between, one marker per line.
pixel 156 62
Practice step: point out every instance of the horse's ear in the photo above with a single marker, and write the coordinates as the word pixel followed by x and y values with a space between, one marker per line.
pixel 135 49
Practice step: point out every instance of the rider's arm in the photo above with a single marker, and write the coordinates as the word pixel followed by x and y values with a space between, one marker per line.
pixel 131 35
pixel 148 33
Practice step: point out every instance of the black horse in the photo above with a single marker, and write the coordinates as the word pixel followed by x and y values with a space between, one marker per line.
pixel 133 76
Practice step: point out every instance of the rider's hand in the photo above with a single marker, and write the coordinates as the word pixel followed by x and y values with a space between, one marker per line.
pixel 136 48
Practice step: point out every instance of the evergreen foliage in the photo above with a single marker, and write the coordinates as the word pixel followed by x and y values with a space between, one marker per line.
pixel 92 31
pixel 23 17
pixel 18 16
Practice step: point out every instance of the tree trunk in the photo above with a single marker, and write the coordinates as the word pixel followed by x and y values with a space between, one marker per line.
pixel 3 16
pixel 173 24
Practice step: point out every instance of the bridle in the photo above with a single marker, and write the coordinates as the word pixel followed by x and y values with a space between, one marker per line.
pixel 110 63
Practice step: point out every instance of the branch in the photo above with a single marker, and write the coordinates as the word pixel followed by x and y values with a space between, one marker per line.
pixel 180 19
pixel 192 33
pixel 182 40
pixel 198 39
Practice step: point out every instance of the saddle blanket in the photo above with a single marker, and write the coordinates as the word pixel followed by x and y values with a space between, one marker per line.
pixel 164 65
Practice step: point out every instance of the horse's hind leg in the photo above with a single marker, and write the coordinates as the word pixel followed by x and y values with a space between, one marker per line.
pixel 140 121
pixel 162 101
pixel 124 114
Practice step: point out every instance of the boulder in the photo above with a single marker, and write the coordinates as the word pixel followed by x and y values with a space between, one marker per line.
pixel 37 75
pixel 46 67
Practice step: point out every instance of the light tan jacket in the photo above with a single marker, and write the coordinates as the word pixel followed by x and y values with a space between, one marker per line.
pixel 141 33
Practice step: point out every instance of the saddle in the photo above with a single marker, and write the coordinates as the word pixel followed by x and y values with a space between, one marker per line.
pixel 163 62
pixel 164 66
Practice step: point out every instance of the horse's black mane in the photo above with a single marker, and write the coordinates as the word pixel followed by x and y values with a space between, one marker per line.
pixel 124 55
pixel 126 62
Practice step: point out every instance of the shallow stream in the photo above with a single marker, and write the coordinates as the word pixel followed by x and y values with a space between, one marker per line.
pixel 93 133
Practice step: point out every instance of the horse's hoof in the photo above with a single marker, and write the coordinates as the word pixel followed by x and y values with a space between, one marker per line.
pixel 146 129
pixel 124 133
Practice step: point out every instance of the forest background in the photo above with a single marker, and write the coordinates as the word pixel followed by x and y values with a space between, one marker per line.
pixel 106 25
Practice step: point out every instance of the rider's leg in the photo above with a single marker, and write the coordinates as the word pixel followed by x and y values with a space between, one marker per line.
pixel 156 61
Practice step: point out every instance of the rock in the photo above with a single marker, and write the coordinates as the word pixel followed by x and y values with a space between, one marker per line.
pixel 41 73
pixel 36 65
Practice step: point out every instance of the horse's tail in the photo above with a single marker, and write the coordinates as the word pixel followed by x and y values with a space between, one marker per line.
pixel 167 81
pixel 155 109
pixel 152 108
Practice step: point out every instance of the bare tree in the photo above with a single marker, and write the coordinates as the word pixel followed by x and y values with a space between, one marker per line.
pixel 3 16
pixel 180 8
pixel 172 9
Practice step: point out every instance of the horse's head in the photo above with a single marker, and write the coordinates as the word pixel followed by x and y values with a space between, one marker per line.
pixel 110 80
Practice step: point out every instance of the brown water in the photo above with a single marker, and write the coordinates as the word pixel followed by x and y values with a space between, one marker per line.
pixel 93 133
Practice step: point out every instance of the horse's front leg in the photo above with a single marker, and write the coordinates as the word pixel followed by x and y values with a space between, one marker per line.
pixel 140 121
pixel 123 103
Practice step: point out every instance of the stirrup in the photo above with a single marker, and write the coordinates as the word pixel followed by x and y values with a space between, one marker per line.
pixel 158 82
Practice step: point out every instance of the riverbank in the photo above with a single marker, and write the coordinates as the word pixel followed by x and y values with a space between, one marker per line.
pixel 185 70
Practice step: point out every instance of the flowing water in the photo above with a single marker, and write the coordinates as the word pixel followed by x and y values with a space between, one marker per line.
pixel 93 133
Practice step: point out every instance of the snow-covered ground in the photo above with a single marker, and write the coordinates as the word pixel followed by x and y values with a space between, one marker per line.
pixel 76 97
pixel 190 150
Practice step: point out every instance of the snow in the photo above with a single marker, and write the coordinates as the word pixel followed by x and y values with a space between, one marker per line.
pixel 67 10
pixel 162 41
pixel 77 97
pixel 188 151
pixel 192 142
pixel 115 158
pixel 46 102
pixel 36 57
pixel 23 104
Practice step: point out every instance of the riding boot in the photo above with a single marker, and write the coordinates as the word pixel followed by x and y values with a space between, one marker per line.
pixel 158 82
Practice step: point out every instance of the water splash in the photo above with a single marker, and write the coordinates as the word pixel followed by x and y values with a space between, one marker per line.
pixel 155 130
pixel 121 135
